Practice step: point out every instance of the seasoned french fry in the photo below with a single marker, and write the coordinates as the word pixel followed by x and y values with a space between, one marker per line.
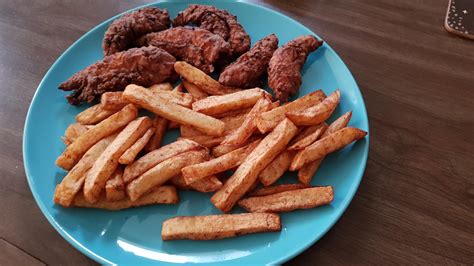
pixel 246 174
pixel 160 126
pixel 174 96
pixel 161 87
pixel 312 133
pixel 195 172
pixel 158 195
pixel 286 201
pixel 221 149
pixel 204 140
pixel 180 87
pixel 73 181
pixel 213 105
pixel 155 157
pixel 94 115
pixel 73 131
pixel 162 172
pixel 173 125
pixel 112 100
pixel 230 124
pixel 172 111
pixel 201 79
pixel 105 128
pixel 264 191
pixel 249 125
pixel 195 91
pixel 326 145
pixel 268 120
pixel 276 168
pixel 316 114
pixel 108 161
pixel 338 124
pixel 114 187
pixel 208 184
pixel 129 155
pixel 189 131
pixel 219 226
pixel 233 113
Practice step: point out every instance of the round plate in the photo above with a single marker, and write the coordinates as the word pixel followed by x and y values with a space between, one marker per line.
pixel 133 236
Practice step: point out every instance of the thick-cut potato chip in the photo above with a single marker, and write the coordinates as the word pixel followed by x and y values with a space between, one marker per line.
pixel 219 226
pixel 73 131
pixel 205 185
pixel 314 133
pixel 160 125
pixel 114 187
pixel 286 201
pixel 276 168
pixel 264 191
pixel 94 115
pixel 316 114
pixel 195 91
pixel 129 155
pixel 246 174
pixel 112 100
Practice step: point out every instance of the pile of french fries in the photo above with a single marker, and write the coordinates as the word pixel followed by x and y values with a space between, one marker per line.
pixel 115 158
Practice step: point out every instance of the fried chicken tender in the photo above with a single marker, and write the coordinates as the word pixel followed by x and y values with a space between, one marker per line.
pixel 219 22
pixel 143 66
pixel 247 71
pixel 197 46
pixel 284 70
pixel 123 32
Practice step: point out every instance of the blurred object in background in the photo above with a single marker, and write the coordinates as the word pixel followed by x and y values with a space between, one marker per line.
pixel 460 18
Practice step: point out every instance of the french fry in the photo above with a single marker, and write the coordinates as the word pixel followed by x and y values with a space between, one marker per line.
pixel 160 126
pixel 157 156
pixel 161 87
pixel 162 172
pixel 246 174
pixel 249 125
pixel 219 226
pixel 222 149
pixel 174 96
pixel 276 168
pixel 72 183
pixel 114 187
pixel 286 201
pixel 306 173
pixel 172 111
pixel 131 153
pixel 268 120
pixel 312 133
pixel 180 88
pixel 213 105
pixel 94 115
pixel 204 140
pixel 201 79
pixel 158 195
pixel 205 185
pixel 73 131
pixel 316 114
pixel 173 125
pixel 105 128
pixel 233 113
pixel 195 91
pixel 275 189
pixel 107 162
pixel 326 145
pixel 230 124
pixel 112 100
pixel 195 172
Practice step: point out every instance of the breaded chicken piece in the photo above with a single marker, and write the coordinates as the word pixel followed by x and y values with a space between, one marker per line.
pixel 197 46
pixel 284 70
pixel 123 32
pixel 143 66
pixel 247 71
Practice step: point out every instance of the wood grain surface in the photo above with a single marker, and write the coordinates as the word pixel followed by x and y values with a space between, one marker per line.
pixel 416 201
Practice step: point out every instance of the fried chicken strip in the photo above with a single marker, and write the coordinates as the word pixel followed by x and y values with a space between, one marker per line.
pixel 248 69
pixel 123 31
pixel 143 66
pixel 284 70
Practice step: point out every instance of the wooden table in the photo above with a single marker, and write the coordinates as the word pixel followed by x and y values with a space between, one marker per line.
pixel 416 201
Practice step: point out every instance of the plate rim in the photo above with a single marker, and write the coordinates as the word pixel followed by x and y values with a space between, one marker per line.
pixel 284 258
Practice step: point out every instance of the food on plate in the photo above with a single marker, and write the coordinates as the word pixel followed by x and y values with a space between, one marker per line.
pixel 195 91
pixel 161 87
pixel 205 140
pixel 142 66
pixel 94 114
pixel 308 136
pixel 284 69
pixel 73 131
pixel 218 21
pixel 316 114
pixel 205 185
pixel 124 31
pixel 199 47
pixel 248 70
pixel 286 201
pixel 114 187
pixel 264 191
pixel 131 153
pixel 112 100
pixel 222 149
pixel 160 125
pixel 158 195
pixel 276 168
pixel 219 226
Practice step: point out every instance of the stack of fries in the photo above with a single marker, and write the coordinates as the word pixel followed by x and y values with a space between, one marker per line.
pixel 115 158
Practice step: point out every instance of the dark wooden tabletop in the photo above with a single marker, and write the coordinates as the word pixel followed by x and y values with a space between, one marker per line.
pixel 416 201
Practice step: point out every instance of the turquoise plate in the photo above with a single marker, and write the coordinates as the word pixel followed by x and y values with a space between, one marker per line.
pixel 133 236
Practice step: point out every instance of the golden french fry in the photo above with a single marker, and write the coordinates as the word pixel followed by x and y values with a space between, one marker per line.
pixel 114 187
pixel 201 79
pixel 172 111
pixel 213 105
pixel 173 125
pixel 157 156
pixel 73 131
pixel 71 184
pixel 204 140
pixel 246 174
pixel 222 149
pixel 264 191
pixel 205 185
pixel 195 91
pixel 276 168
pixel 249 125
pixel 174 96
pixel 112 100
pixel 286 201
pixel 268 120
pixel 338 124
pixel 326 145
pixel 230 124
pixel 161 87
pixel 131 153
pixel 189 131
pixel 94 115
pixel 160 126
pixel 162 172
pixel 316 114
pixel 219 226
pixel 105 128
pixel 107 162
pixel 158 195
pixel 316 132
pixel 233 113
